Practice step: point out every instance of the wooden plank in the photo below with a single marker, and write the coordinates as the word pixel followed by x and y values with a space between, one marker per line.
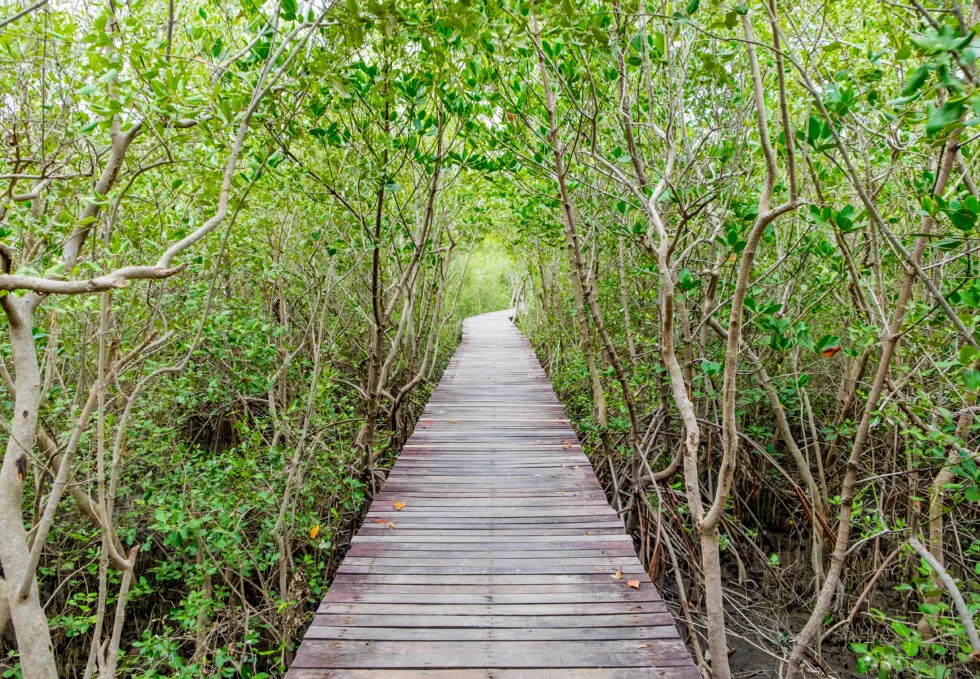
pixel 396 551
pixel 528 565
pixel 375 597
pixel 481 586
pixel 580 608
pixel 490 633
pixel 498 561
pixel 481 654
pixel 537 673
pixel 508 621
pixel 544 569
pixel 591 577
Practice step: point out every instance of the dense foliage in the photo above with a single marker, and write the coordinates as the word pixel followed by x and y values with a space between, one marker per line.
pixel 238 240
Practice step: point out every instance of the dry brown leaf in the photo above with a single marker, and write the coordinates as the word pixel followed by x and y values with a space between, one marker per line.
pixel 398 506
pixel 315 531
pixel 428 421
pixel 452 421
pixel 585 533
pixel 574 466
pixel 643 645
pixel 391 526
pixel 618 575
pixel 598 568
pixel 381 521
pixel 563 465
pixel 568 444
pixel 635 584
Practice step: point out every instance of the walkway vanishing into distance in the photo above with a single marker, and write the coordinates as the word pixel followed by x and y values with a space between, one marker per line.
pixel 491 551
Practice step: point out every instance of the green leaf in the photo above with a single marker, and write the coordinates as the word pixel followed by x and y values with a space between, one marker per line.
pixel 692 6
pixel 941 118
pixel 901 629
pixel 88 89
pixel 946 39
pixel 845 219
pixel 827 342
pixel 710 367
pixel 659 43
pixel 816 130
pixel 916 80
pixel 686 280
pixel 961 219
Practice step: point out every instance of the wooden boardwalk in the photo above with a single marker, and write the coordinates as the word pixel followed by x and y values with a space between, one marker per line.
pixel 491 551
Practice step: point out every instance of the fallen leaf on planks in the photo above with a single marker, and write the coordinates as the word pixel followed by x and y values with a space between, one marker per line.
pixel 598 568
pixel 391 526
pixel 574 466
pixel 618 575
pixel 399 506
pixel 381 521
pixel 428 421
pixel 452 421
pixel 568 444
pixel 635 584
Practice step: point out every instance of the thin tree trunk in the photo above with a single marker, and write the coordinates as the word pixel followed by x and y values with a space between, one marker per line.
pixel 890 342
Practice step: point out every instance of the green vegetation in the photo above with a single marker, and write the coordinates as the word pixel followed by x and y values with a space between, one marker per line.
pixel 238 240
pixel 490 281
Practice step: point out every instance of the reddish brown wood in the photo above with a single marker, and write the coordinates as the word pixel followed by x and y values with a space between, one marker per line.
pixel 501 562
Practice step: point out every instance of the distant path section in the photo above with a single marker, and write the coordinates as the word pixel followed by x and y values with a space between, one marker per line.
pixel 491 552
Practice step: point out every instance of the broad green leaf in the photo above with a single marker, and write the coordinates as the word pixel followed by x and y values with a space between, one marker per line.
pixel 941 118
pixel 915 80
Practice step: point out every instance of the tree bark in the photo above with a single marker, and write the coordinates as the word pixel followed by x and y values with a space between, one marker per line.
pixel 25 609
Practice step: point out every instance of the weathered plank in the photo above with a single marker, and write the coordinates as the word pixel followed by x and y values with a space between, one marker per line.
pixel 493 673
pixel 481 654
pixel 491 552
